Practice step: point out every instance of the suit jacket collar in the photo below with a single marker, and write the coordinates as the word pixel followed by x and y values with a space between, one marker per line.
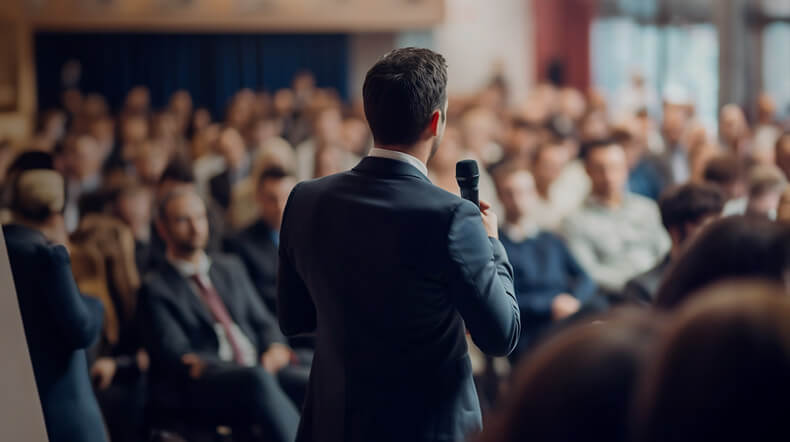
pixel 180 289
pixel 385 167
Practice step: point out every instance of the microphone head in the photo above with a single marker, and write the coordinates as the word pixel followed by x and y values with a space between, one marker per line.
pixel 466 170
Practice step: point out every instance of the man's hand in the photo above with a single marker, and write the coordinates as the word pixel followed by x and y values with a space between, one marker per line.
pixel 196 365
pixel 564 305
pixel 276 358
pixel 103 371
pixel 490 221
pixel 143 361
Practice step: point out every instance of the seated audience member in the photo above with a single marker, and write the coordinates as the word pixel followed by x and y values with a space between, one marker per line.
pixel 732 247
pixel 561 181
pixel 725 172
pixel 782 153
pixel 734 132
pixel 720 372
pixel 243 210
pixel 766 130
pixel 134 131
pixel 521 141
pixel 238 163
pixel 549 161
pixel 579 385
pixel 615 235
pixel 684 211
pixel 134 206
pixel 675 155
pixel 257 244
pixel 217 354
pixel 325 152
pixel 59 322
pixel 178 175
pixel 766 185
pixel 478 129
pixel 82 166
pixel 550 284
pixel 647 175
pixel 150 162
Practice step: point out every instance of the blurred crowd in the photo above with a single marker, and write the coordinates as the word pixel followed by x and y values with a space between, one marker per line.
pixel 599 207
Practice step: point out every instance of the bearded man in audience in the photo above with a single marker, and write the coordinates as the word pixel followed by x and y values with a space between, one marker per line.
pixel 216 351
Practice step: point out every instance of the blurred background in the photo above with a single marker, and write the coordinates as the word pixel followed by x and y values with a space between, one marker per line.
pixel 717 51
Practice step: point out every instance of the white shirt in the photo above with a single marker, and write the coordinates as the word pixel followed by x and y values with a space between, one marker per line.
pixel 399 156
pixel 248 352
pixel 522 231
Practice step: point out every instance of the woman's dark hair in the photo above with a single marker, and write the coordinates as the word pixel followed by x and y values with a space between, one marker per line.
pixel 733 247
pixel 579 385
pixel 721 371
pixel 401 92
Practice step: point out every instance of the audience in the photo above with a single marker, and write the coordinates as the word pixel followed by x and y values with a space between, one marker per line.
pixel 615 235
pixel 550 285
pixel 588 211
pixel 257 244
pixel 215 348
pixel 736 246
pixel 578 386
pixel 766 185
pixel 720 372
pixel 238 165
pixel 684 211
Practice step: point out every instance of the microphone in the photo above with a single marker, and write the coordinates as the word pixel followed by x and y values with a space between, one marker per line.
pixel 468 176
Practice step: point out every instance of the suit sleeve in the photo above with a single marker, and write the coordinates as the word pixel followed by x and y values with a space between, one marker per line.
pixel 481 283
pixel 295 307
pixel 79 318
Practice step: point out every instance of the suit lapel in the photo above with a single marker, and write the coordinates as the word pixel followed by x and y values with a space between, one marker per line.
pixel 186 295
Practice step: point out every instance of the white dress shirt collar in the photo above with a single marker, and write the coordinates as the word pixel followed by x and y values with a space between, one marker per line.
pixel 399 156
pixel 188 269
pixel 522 231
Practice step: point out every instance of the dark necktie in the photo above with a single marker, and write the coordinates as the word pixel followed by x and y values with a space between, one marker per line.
pixel 220 313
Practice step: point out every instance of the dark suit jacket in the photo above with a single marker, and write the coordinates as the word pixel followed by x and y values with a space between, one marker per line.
pixel 176 323
pixel 59 324
pixel 642 289
pixel 256 248
pixel 387 268
pixel 221 188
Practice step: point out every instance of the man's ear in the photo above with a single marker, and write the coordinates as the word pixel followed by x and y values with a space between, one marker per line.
pixel 436 122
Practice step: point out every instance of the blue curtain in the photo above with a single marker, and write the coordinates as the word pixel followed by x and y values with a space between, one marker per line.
pixel 212 67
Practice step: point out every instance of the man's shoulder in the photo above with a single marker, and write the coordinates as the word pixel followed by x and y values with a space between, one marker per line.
pixel 227 262
pixel 423 190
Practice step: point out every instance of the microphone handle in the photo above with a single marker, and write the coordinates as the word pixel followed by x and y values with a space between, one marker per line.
pixel 471 194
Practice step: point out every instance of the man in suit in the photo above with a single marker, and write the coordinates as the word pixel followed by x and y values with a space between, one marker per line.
pixel 684 211
pixel 59 322
pixel 257 244
pixel 387 269
pixel 216 352
pixel 238 165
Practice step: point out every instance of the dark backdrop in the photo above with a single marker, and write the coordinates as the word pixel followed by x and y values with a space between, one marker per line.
pixel 210 66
